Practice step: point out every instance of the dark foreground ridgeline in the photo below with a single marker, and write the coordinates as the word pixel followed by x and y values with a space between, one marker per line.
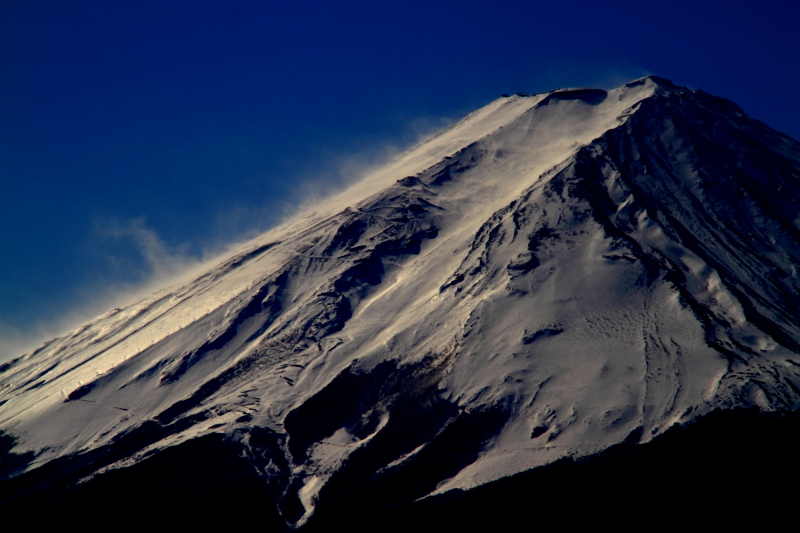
pixel 726 469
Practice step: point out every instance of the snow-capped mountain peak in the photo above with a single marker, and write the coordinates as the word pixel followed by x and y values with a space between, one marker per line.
pixel 550 276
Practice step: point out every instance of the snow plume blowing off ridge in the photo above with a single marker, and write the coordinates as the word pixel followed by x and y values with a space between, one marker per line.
pixel 155 266
pixel 568 289
pixel 139 262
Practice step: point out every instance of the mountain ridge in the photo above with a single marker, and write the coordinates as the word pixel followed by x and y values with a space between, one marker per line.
pixel 551 276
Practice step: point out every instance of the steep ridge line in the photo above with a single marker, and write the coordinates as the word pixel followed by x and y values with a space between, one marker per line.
pixel 591 269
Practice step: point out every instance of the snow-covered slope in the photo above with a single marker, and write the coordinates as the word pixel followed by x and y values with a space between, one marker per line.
pixel 553 275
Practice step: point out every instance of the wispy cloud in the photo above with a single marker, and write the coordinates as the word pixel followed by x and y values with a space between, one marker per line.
pixel 141 261
pixel 159 261
pixel 149 264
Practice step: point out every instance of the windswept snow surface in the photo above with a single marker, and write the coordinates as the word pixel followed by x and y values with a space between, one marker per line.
pixel 552 275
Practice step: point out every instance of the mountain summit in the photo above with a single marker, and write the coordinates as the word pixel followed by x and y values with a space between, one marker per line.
pixel 552 277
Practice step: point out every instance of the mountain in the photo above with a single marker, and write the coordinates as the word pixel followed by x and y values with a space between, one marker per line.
pixel 562 283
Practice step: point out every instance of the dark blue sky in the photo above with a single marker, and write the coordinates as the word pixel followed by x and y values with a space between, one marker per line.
pixel 136 135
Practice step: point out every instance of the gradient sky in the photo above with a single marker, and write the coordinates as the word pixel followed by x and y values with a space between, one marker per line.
pixel 139 136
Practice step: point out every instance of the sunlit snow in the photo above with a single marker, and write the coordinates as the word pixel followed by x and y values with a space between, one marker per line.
pixel 558 270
